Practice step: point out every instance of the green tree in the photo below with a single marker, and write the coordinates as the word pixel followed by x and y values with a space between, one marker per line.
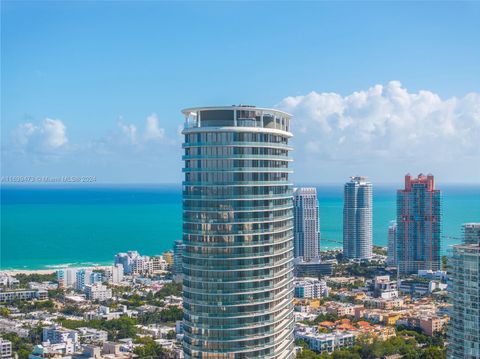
pixel 168 315
pixel 4 312
pixel 444 263
pixel 434 353
pixel 169 289
pixel 151 349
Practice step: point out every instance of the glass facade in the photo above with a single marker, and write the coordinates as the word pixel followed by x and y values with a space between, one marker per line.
pixel 237 234
pixel 464 290
pixel 306 223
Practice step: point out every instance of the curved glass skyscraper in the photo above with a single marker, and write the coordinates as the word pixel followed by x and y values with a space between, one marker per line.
pixel 237 233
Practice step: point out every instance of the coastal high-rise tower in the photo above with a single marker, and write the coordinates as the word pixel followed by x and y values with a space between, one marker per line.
pixel 471 233
pixel 237 233
pixel 418 225
pixel 464 290
pixel 307 226
pixel 357 219
pixel 392 244
pixel 177 261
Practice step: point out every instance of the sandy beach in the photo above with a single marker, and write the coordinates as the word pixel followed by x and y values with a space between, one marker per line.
pixel 13 272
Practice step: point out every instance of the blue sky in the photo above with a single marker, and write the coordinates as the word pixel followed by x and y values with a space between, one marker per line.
pixel 378 89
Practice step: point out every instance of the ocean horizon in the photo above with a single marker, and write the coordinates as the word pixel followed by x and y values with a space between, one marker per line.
pixel 55 226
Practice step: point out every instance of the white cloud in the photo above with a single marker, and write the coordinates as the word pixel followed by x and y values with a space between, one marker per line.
pixel 55 133
pixel 385 123
pixel 153 130
pixel 382 132
pixel 49 136
pixel 129 131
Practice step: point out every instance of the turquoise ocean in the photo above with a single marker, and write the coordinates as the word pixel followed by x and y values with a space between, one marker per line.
pixel 54 226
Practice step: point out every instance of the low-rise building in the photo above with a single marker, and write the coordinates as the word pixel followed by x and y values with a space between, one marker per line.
pixel 322 343
pixel 313 268
pixel 13 326
pixel 10 296
pixel 341 309
pixel 50 351
pixel 380 303
pixel 415 288
pixel 433 275
pixel 46 286
pixel 136 264
pixel 310 288
pixel 5 349
pixel 385 288
pixel 56 334
pixel 98 292
pixel 432 325
pixel 104 313
pixel 158 264
pixel 6 280
pixel 93 335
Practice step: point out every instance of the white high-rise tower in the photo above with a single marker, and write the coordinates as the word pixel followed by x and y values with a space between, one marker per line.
pixel 357 219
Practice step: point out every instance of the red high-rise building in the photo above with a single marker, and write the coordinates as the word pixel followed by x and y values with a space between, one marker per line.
pixel 418 225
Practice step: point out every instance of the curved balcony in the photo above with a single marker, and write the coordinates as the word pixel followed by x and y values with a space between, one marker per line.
pixel 240 169
pixel 237 209
pixel 238 144
pixel 273 219
pixel 271 253
pixel 284 304
pixel 231 303
pixel 238 157
pixel 249 243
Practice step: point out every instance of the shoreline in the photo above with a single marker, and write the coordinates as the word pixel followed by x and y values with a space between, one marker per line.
pixel 13 272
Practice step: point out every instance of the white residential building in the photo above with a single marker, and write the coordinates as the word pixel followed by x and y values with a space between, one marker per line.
pixel 140 265
pixel 23 295
pixel 158 264
pixel 93 335
pixel 433 275
pixel 5 349
pixel 134 263
pixel 322 343
pixel 67 277
pixel 385 288
pixel 68 339
pixel 7 280
pixel 114 273
pixel 104 313
pixel 98 291
pixel 310 288
pixel 126 259
pixel 56 334
pixel 83 278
